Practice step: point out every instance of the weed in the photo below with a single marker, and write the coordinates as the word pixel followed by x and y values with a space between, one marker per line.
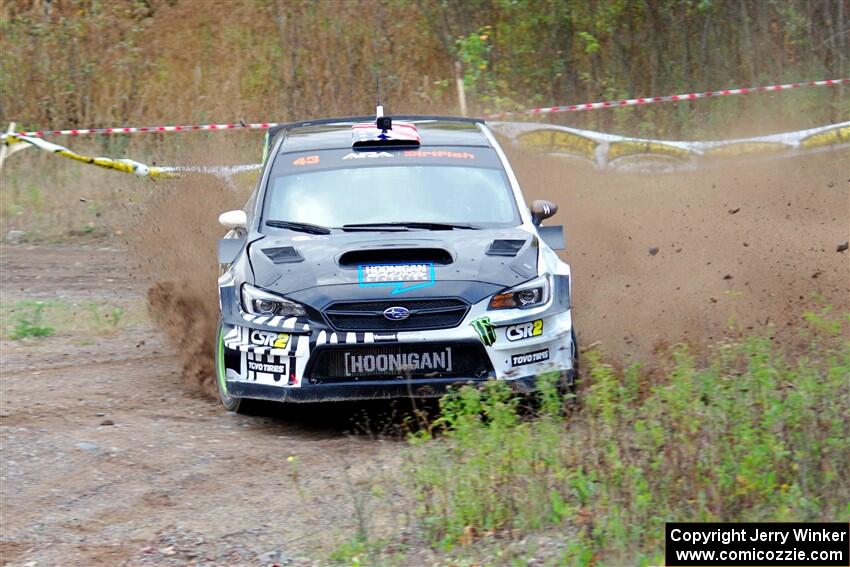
pixel 349 553
pixel 106 319
pixel 360 553
pixel 294 475
pixel 754 434
pixel 31 323
pixel 80 319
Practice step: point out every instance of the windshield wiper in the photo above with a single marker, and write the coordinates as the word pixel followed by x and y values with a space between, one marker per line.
pixel 299 226
pixel 403 225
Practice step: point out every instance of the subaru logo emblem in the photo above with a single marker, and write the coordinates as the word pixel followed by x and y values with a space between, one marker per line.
pixel 397 313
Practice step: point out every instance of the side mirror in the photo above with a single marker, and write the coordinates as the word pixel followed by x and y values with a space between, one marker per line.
pixel 542 209
pixel 233 219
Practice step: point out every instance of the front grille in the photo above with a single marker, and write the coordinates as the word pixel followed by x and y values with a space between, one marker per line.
pixel 353 363
pixel 425 314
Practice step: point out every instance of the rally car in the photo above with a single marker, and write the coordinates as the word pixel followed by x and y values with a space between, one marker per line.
pixel 388 257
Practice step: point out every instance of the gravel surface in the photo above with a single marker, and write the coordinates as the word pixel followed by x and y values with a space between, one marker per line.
pixel 107 459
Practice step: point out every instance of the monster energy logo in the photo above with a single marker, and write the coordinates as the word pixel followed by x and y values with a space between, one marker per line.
pixel 485 329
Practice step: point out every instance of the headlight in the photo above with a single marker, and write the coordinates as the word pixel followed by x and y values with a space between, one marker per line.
pixel 258 302
pixel 529 294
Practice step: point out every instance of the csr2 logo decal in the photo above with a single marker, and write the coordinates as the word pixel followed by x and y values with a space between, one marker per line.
pixel 524 330
pixel 274 340
pixel 400 277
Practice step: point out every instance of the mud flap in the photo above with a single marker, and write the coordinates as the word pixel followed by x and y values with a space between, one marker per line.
pixel 229 249
pixel 553 236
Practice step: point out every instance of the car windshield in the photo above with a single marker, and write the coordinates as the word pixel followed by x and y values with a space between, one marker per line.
pixel 422 193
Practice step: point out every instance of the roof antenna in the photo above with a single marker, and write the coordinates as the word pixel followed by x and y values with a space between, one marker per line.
pixel 384 123
pixel 379 112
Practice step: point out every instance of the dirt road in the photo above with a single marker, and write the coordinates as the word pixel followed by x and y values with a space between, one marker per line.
pixel 106 459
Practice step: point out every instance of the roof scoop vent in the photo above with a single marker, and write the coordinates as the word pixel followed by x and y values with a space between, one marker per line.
pixel 283 255
pixel 354 258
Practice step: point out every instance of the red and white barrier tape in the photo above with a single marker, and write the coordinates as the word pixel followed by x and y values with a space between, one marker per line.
pixel 676 98
pixel 541 110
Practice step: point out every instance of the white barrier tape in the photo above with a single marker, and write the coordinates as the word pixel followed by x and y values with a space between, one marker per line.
pixel 605 151
pixel 151 129
pixel 541 110
pixel 609 151
pixel 216 170
pixel 687 97
pixel 125 165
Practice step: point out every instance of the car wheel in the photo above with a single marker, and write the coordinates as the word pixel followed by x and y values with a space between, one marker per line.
pixel 238 405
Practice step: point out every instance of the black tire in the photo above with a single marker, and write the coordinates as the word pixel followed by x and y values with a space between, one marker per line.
pixel 232 403
pixel 575 353
pixel 568 378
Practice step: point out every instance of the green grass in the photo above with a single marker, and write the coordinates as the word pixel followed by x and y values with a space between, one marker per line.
pixel 30 323
pixel 746 432
pixel 31 319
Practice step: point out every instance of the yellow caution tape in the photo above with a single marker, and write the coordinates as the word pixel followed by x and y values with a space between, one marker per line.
pixel 125 165
pixel 746 148
pixel 837 135
pixel 622 152
pixel 645 147
pixel 603 150
pixel 559 141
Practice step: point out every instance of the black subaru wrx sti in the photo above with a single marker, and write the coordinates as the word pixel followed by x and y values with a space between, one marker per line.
pixel 388 257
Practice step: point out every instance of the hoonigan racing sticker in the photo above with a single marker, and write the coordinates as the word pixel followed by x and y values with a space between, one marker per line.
pixel 401 277
pixel 398 363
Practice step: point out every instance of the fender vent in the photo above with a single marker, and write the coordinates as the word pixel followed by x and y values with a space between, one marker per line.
pixel 505 247
pixel 356 258
pixel 283 255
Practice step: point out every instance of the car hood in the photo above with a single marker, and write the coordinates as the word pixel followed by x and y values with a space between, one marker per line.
pixel 318 269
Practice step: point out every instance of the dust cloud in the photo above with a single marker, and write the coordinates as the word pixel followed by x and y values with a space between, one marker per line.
pixel 694 257
pixel 174 248
pixel 657 259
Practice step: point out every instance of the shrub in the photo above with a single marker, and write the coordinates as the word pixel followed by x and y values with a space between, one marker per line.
pixel 752 434
pixel 31 323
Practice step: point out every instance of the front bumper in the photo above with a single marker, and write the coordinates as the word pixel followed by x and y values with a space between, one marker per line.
pixel 364 390
pixel 283 363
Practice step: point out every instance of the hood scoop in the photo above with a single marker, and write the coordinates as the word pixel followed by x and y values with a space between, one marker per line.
pixel 354 258
pixel 283 255
pixel 505 247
